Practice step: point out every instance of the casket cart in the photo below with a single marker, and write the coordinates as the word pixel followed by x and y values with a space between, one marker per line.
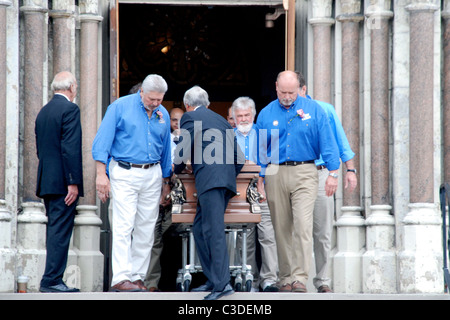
pixel 242 213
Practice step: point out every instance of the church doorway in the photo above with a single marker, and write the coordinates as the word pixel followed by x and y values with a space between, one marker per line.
pixel 230 51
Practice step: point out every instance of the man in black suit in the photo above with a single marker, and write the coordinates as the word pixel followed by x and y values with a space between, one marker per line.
pixel 208 141
pixel 60 175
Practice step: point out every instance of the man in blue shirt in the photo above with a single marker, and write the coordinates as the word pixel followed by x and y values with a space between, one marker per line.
pixel 135 137
pixel 244 111
pixel 324 207
pixel 297 133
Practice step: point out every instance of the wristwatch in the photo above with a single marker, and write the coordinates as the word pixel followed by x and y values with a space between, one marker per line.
pixel 334 175
pixel 352 170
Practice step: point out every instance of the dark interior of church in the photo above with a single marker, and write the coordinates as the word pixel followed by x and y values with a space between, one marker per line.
pixel 228 51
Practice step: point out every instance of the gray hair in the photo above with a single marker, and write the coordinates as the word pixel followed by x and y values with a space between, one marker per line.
pixel 63 81
pixel 154 82
pixel 196 97
pixel 243 103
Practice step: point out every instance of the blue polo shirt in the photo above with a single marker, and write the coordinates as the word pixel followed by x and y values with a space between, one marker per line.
pixel 345 151
pixel 284 135
pixel 128 134
pixel 248 144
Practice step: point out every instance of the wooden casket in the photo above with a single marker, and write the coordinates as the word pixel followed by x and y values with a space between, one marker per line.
pixel 242 209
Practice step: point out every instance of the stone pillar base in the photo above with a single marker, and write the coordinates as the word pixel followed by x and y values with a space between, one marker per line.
pixel 347 263
pixel 87 246
pixel 31 252
pixel 379 261
pixel 420 262
pixel 7 255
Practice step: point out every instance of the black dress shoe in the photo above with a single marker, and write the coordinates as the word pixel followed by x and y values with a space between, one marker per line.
pixel 271 288
pixel 58 288
pixel 203 288
pixel 219 294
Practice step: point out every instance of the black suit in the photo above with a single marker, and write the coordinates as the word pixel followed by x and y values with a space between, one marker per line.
pixel 58 144
pixel 215 181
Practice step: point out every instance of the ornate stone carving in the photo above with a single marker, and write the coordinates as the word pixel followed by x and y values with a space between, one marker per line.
pixel 321 8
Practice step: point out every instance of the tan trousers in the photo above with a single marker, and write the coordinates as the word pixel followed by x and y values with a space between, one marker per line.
pixel 322 231
pixel 291 193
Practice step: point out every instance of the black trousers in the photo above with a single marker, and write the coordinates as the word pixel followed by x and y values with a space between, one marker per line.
pixel 209 235
pixel 59 230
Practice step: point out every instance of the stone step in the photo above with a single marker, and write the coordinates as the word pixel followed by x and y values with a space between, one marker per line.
pixel 239 296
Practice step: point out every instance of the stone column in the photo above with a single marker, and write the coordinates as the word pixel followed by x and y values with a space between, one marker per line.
pixel 63 25
pixel 350 19
pixel 33 72
pixel 7 255
pixel 31 249
pixel 446 91
pixel 350 225
pixel 87 223
pixel 321 24
pixel 420 264
pixel 89 99
pixel 379 261
pixel 31 227
pixel 3 5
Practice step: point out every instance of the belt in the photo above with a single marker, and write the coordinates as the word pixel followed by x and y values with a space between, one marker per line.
pixel 321 167
pixel 128 165
pixel 143 166
pixel 295 163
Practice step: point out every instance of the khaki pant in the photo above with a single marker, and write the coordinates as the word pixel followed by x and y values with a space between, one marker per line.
pixel 322 231
pixel 291 193
pixel 263 233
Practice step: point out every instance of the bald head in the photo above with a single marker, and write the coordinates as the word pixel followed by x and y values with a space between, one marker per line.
pixel 287 87
pixel 175 117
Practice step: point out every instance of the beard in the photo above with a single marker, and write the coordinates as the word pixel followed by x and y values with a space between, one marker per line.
pixel 287 102
pixel 244 127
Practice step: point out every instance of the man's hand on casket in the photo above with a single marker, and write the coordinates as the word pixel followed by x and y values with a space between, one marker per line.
pixel 165 194
pixel 261 190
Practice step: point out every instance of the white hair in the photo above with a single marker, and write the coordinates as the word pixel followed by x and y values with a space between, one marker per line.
pixel 63 81
pixel 243 103
pixel 196 97
pixel 154 82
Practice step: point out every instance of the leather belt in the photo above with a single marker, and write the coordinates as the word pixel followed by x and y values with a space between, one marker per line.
pixel 129 165
pixel 295 163
pixel 321 167
pixel 143 166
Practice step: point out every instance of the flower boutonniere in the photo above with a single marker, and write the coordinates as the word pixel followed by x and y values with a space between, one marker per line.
pixel 300 113
pixel 159 116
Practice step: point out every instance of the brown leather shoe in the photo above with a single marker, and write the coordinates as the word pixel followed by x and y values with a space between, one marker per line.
pixel 286 287
pixel 140 284
pixel 126 286
pixel 324 289
pixel 297 286
pixel 154 289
